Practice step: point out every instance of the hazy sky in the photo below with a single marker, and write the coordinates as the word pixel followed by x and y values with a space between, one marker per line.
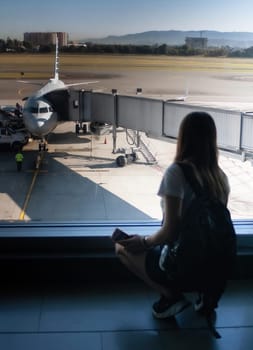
pixel 84 19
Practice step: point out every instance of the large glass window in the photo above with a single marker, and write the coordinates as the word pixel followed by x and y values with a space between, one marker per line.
pixel 78 172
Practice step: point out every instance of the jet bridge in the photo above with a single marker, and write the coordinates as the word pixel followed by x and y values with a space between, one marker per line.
pixel 159 118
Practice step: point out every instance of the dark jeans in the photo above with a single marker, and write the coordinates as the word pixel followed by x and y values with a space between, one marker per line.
pixel 156 274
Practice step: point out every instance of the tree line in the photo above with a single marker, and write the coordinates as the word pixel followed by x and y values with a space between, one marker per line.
pixel 14 45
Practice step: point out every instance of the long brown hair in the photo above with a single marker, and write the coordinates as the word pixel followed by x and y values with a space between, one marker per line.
pixel 197 144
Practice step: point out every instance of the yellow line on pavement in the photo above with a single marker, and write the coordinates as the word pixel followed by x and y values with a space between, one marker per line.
pixel 28 196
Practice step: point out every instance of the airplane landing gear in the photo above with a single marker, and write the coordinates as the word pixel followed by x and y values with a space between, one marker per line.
pixel 43 146
pixel 42 149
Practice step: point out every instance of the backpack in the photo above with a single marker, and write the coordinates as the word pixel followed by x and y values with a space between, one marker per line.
pixel 204 256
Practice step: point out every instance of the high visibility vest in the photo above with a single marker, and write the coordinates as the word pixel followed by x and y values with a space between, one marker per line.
pixel 19 157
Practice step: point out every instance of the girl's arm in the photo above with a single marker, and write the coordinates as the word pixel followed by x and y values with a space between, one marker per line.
pixel 169 230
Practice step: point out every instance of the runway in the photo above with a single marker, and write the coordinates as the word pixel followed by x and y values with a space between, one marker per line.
pixel 216 88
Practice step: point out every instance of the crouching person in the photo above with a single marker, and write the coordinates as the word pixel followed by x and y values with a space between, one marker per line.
pixel 196 147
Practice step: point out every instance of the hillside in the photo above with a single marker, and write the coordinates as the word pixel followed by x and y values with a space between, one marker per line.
pixel 176 37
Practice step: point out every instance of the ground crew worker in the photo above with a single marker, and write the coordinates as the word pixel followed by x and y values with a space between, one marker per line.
pixel 18 110
pixel 19 159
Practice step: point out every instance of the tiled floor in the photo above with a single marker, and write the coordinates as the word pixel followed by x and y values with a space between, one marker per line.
pixel 110 316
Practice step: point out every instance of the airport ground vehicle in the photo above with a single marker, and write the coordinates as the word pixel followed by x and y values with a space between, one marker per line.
pixel 9 117
pixel 16 139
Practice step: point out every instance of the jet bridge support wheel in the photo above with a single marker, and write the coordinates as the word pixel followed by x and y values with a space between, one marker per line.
pixel 121 161
pixel 77 129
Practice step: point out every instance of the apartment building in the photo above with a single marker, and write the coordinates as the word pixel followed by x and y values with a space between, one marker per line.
pixel 46 38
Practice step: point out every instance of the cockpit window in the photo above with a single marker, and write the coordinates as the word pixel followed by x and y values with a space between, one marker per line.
pixel 40 110
pixel 33 109
pixel 43 110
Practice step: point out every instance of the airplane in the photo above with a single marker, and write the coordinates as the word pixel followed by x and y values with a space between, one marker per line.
pixel 45 108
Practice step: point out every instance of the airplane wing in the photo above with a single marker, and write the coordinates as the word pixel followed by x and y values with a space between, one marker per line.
pixel 66 85
pixel 29 82
pixel 181 98
pixel 84 83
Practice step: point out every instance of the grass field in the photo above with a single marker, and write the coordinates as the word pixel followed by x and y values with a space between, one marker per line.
pixel 14 66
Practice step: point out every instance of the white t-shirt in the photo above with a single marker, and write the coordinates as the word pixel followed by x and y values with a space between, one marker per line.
pixel 174 184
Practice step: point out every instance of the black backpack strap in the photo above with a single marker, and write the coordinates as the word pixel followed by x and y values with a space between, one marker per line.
pixel 191 178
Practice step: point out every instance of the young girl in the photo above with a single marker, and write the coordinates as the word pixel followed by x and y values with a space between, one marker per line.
pixel 196 146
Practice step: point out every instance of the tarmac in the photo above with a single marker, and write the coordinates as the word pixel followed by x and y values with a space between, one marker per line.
pixel 239 172
pixel 79 180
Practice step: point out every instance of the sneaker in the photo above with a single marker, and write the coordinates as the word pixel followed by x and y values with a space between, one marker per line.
pixel 199 303
pixel 165 307
pixel 204 304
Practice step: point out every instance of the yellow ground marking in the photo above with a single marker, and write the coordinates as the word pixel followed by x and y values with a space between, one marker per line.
pixel 28 196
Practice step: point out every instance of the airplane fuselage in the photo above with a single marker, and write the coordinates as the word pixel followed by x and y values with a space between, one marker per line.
pixel 39 116
pixel 49 105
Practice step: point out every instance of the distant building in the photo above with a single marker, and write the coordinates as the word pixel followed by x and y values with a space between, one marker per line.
pixel 46 38
pixel 196 43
